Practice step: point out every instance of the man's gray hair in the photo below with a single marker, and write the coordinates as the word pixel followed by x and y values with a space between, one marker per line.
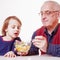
pixel 54 4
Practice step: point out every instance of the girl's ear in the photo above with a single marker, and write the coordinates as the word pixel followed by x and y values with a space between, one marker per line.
pixel 6 30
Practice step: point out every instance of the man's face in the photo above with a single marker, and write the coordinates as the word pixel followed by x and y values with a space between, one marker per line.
pixel 13 29
pixel 49 16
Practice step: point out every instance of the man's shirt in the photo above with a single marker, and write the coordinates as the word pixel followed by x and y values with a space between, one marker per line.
pixel 53 40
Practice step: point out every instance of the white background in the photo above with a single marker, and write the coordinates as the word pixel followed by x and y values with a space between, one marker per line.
pixel 27 11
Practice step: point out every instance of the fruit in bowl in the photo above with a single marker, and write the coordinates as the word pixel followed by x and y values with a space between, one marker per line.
pixel 22 47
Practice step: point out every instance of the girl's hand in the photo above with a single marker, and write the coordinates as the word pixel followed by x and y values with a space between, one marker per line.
pixel 22 53
pixel 10 54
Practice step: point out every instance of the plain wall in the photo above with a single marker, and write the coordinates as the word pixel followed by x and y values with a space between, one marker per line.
pixel 27 11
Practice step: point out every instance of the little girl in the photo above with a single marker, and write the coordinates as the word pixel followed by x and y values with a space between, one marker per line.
pixel 10 31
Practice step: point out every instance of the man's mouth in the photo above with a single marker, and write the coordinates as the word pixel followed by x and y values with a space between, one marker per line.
pixel 44 20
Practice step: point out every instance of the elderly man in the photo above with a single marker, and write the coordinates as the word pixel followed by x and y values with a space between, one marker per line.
pixel 47 38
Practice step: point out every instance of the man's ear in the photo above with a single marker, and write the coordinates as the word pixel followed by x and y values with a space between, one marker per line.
pixel 59 15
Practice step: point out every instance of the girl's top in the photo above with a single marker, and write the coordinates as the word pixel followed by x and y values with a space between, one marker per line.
pixel 6 46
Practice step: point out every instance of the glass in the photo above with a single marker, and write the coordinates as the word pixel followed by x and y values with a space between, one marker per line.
pixel 22 46
pixel 47 12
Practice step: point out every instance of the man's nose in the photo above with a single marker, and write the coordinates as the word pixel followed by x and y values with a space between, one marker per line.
pixel 43 17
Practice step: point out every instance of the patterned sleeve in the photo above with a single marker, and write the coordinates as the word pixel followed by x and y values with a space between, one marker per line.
pixel 54 49
pixel 33 50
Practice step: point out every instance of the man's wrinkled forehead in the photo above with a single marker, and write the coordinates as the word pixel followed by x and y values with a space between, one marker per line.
pixel 50 6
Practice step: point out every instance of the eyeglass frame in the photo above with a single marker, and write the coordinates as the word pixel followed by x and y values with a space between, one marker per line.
pixel 47 12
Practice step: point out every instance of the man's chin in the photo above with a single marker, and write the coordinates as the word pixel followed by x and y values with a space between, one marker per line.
pixel 45 25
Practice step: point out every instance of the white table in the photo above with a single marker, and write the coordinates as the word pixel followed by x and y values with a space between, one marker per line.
pixel 34 57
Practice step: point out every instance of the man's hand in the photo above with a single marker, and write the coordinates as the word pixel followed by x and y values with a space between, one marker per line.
pixel 40 42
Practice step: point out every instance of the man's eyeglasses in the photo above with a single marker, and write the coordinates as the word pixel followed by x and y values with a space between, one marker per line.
pixel 47 12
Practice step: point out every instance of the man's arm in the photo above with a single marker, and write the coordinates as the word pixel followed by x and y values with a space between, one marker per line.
pixel 54 49
pixel 33 50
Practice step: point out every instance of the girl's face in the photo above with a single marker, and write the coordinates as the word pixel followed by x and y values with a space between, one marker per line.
pixel 13 29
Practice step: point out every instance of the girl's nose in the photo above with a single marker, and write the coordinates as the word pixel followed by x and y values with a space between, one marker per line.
pixel 16 28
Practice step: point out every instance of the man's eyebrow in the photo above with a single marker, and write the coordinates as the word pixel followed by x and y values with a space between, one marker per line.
pixel 50 10
pixel 45 11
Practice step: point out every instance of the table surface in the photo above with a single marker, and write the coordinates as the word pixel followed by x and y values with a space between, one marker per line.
pixel 34 57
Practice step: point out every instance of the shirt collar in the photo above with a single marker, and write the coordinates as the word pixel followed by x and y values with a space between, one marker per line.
pixel 53 33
